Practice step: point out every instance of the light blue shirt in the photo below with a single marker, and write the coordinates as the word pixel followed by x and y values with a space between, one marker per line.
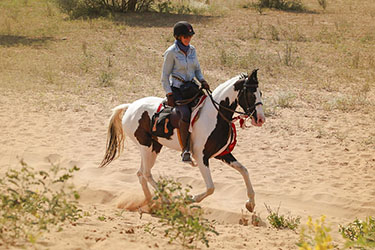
pixel 178 64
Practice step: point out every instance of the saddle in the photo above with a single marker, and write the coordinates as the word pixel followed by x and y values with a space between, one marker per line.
pixel 167 118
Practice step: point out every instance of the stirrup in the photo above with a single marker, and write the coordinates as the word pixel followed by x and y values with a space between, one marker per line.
pixel 186 157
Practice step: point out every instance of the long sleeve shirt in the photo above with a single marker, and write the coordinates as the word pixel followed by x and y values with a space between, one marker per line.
pixel 183 66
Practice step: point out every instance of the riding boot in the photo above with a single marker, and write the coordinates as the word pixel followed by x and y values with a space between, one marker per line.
pixel 185 140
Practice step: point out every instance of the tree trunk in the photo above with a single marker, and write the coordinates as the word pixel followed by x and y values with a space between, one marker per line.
pixel 131 5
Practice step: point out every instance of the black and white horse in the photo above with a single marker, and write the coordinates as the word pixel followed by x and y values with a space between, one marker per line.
pixel 211 133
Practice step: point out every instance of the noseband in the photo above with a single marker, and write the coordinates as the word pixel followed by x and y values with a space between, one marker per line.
pixel 249 110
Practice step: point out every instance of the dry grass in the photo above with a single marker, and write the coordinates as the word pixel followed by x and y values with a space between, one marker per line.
pixel 328 53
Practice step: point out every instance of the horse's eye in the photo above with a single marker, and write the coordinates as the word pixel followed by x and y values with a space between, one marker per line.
pixel 261 94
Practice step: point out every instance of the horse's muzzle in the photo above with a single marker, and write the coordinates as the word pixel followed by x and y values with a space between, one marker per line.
pixel 257 120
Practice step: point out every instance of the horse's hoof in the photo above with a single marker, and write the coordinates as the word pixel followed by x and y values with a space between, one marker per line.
pixel 250 206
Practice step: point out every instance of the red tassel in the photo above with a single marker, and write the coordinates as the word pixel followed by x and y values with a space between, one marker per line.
pixel 242 122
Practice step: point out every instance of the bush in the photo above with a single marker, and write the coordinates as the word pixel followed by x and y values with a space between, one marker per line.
pixel 360 234
pixel 281 221
pixel 82 8
pixel 286 5
pixel 88 8
pixel 315 236
pixel 32 202
pixel 183 220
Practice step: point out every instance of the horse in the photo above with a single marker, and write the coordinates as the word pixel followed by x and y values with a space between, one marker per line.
pixel 210 135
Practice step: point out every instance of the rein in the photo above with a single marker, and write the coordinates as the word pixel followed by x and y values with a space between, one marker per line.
pixel 246 114
pixel 187 101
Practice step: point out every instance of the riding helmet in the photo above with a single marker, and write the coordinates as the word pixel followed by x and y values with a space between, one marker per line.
pixel 183 28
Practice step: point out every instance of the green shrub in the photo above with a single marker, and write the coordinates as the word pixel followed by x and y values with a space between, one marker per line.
pixel 182 7
pixel 32 202
pixel 183 220
pixel 281 221
pixel 82 8
pixel 360 234
pixel 285 5
pixel 88 8
pixel 171 7
pixel 315 236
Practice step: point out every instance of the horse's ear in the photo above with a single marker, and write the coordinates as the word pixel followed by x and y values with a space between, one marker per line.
pixel 254 75
pixel 253 78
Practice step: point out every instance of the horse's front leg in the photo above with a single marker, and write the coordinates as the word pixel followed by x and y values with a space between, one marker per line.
pixel 206 174
pixel 231 161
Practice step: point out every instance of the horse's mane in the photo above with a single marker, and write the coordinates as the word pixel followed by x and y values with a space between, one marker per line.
pixel 243 76
pixel 218 92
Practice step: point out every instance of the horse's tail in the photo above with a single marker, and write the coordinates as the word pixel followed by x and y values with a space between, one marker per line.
pixel 115 136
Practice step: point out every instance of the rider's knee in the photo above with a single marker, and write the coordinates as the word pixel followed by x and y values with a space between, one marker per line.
pixel 185 113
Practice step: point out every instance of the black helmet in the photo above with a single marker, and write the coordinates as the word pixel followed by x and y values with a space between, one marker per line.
pixel 183 28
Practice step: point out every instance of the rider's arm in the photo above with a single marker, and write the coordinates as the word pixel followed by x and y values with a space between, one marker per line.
pixel 167 71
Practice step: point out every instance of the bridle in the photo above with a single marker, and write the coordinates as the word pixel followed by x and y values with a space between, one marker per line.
pixel 249 110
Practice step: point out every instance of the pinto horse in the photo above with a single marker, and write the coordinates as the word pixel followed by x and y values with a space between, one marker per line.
pixel 210 136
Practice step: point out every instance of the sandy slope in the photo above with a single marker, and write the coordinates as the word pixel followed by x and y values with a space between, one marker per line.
pixel 309 161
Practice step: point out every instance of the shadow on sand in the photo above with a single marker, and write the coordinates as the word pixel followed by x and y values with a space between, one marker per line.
pixel 10 40
pixel 153 19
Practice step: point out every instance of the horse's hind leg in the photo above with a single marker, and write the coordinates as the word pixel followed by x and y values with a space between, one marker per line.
pixel 143 182
pixel 231 161
pixel 144 173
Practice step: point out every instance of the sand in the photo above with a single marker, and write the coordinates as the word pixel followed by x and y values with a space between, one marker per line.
pixel 307 161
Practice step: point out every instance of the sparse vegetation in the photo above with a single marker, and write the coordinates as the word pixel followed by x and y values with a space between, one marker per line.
pixel 288 57
pixel 315 236
pixel 281 221
pixel 360 234
pixel 32 202
pixel 323 4
pixel 182 220
pixel 285 99
pixel 274 33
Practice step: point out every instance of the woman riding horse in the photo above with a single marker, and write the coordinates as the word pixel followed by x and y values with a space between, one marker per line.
pixel 179 69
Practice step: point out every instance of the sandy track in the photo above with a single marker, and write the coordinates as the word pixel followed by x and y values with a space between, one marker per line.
pixel 309 163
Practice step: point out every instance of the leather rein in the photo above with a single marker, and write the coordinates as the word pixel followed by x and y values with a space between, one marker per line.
pixel 248 113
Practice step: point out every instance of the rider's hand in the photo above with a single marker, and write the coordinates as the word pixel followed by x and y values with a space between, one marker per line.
pixel 205 85
pixel 170 100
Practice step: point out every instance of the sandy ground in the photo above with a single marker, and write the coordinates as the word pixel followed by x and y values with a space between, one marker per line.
pixel 308 161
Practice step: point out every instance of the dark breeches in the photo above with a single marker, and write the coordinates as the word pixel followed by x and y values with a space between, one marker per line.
pixel 184 110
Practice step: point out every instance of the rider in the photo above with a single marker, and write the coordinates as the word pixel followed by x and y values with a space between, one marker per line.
pixel 179 69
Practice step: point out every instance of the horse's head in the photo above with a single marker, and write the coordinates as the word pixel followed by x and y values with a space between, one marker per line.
pixel 250 98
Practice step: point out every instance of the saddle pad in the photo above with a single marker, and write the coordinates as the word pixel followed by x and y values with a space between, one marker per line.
pixel 160 123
